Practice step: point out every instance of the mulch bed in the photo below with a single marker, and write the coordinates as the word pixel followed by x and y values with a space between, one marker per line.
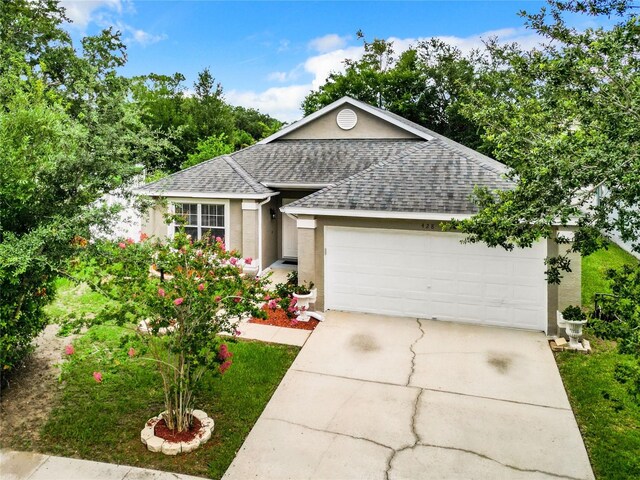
pixel 161 430
pixel 278 318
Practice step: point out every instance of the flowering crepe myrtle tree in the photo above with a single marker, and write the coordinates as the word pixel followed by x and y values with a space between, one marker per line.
pixel 180 293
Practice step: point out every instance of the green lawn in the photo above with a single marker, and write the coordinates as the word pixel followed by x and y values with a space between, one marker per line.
pixel 102 421
pixel 607 414
pixel 594 267
pixel 72 298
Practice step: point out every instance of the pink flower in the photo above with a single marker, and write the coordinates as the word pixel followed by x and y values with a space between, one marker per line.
pixel 267 297
pixel 218 298
pixel 161 292
pixel 233 260
pixel 131 352
pixel 225 366
pixel 97 376
pixel 130 241
pixel 198 253
pixel 219 239
pixel 294 321
pixel 122 245
pixel 294 300
pixel 69 350
pixel 236 332
pixel 201 287
pixel 224 353
pixel 237 299
pixel 143 236
pixel 248 260
pixel 178 301
pixel 272 304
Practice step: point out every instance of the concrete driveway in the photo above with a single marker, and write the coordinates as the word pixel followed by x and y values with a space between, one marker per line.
pixel 383 397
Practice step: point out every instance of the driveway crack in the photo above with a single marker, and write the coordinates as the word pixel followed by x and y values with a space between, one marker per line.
pixel 413 352
pixel 355 437
pixel 414 431
pixel 512 467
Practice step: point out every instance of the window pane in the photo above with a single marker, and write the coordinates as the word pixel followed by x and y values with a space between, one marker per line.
pixel 213 215
pixel 193 231
pixel 215 232
pixel 189 211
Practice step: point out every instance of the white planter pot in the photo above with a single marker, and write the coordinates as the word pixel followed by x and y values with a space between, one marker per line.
pixel 302 303
pixel 573 329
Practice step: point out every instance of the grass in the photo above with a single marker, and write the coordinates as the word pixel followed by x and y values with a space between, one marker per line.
pixel 77 299
pixel 606 412
pixel 102 421
pixel 594 268
pixel 608 416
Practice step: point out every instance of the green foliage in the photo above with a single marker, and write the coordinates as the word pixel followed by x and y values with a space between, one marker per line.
pixel 606 411
pixel 573 314
pixel 207 149
pixel 595 267
pixel 69 134
pixel 425 84
pixel 566 118
pixel 196 125
pixel 182 294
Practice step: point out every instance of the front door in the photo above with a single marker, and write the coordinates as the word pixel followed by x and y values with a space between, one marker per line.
pixel 289 233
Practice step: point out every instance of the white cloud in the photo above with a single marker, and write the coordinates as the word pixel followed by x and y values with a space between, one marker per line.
pixel 284 102
pixel 328 42
pixel 81 12
pixel 142 37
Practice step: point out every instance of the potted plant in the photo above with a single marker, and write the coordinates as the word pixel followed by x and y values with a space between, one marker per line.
pixel 304 294
pixel 572 319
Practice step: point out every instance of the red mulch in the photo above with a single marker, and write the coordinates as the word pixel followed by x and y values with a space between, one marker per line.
pixel 161 430
pixel 279 318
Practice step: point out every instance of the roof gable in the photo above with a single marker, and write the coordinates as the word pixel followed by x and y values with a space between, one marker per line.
pixel 374 123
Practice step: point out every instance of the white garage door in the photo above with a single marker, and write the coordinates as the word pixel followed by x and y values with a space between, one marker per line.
pixel 433 275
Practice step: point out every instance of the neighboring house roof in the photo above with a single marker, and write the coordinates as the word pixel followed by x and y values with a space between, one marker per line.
pixel 429 177
pixel 220 177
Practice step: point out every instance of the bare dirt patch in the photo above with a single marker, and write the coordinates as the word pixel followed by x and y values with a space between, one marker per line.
pixel 32 391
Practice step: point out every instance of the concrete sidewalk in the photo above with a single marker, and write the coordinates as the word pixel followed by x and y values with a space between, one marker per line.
pixel 395 398
pixel 33 466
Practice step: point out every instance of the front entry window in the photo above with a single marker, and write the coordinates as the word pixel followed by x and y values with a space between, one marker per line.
pixel 200 218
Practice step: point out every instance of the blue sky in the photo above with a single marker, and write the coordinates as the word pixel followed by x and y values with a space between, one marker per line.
pixel 269 55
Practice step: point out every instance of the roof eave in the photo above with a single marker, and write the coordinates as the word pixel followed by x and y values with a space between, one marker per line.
pixel 337 212
pixel 221 195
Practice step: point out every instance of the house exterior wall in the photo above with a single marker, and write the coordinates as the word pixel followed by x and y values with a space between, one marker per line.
pixel 311 259
pixel 154 225
pixel 368 126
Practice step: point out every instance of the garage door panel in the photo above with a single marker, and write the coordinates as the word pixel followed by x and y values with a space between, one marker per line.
pixel 433 275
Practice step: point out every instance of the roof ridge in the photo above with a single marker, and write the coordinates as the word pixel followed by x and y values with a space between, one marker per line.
pixel 398 157
pixel 252 182
pixel 478 161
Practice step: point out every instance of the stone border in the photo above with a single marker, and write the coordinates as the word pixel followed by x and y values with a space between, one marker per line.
pixel 157 444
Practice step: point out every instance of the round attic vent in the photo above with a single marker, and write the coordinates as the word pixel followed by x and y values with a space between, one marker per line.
pixel 346 119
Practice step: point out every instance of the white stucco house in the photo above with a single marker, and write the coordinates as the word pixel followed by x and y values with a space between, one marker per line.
pixel 356 195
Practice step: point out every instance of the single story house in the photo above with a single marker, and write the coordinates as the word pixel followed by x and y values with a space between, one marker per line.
pixel 357 195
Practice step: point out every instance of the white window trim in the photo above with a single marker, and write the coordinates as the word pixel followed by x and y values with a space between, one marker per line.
pixel 199 202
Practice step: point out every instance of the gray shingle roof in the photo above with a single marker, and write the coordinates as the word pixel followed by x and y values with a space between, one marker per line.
pixel 316 161
pixel 219 175
pixel 430 177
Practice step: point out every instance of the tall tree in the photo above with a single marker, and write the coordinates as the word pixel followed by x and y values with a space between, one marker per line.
pixel 566 118
pixel 68 136
pixel 423 84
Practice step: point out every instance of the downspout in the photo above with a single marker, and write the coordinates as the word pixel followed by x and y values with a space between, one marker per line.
pixel 260 205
